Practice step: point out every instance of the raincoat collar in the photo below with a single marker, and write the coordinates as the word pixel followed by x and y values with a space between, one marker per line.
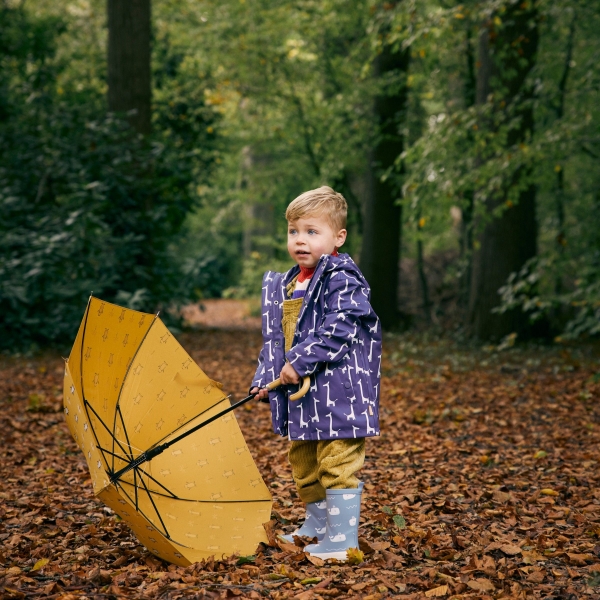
pixel 328 263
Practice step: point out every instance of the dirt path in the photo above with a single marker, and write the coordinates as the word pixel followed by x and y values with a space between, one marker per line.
pixel 484 484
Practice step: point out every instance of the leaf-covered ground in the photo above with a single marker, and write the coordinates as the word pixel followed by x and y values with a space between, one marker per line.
pixel 484 484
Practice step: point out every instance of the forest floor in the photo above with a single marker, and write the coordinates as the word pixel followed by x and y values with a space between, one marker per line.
pixel 485 483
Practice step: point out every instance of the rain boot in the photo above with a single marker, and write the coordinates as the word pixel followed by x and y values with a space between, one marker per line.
pixel 343 516
pixel 314 523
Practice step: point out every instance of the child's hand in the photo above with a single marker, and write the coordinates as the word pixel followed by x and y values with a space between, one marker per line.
pixel 260 394
pixel 288 375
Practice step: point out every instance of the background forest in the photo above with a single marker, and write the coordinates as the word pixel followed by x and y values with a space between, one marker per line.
pixel 147 153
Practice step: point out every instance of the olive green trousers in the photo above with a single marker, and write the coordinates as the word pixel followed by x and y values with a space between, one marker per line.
pixel 327 464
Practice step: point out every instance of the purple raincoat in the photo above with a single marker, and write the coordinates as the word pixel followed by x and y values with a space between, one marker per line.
pixel 337 342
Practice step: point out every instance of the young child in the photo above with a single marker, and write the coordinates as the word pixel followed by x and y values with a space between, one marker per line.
pixel 317 321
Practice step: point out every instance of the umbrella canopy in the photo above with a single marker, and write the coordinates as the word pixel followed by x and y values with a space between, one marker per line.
pixel 129 388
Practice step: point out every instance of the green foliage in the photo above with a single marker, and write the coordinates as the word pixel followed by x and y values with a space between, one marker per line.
pixel 577 307
pixel 85 203
pixel 255 102
pixel 290 84
pixel 453 165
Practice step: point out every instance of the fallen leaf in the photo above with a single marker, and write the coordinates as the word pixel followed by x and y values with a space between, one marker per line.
pixel 387 583
pixel 531 557
pixel 286 546
pixel 481 585
pixel 510 549
pixel 315 560
pixel 549 492
pixel 380 545
pixel 355 556
pixel 51 588
pixel 365 545
pixel 357 587
pixel 120 561
pixel 323 584
pixel 400 521
pixel 536 576
pixel 501 497
pixel 270 531
pixel 441 590
pixel 40 564
pixel 579 559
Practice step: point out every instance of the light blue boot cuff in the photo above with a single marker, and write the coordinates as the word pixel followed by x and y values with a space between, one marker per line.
pixel 314 523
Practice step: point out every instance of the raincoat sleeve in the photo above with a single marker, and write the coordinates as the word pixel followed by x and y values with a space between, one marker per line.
pixel 259 379
pixel 347 302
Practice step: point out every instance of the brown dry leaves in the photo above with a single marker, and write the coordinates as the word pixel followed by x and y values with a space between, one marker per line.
pixel 484 484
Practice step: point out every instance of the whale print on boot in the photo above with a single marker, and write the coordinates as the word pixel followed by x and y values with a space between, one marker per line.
pixel 314 524
pixel 343 516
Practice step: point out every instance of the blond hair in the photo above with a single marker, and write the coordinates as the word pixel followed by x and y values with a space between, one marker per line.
pixel 322 201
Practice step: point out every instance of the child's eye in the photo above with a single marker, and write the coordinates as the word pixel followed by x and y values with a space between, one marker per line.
pixel 292 231
pixel 312 231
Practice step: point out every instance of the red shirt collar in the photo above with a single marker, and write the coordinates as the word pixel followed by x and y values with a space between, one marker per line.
pixel 306 273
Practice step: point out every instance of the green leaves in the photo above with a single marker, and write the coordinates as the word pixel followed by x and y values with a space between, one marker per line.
pixel 85 204
pixel 400 521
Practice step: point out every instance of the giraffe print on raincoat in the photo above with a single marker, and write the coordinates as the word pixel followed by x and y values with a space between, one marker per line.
pixel 337 342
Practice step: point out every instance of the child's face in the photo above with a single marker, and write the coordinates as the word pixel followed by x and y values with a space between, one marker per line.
pixel 310 237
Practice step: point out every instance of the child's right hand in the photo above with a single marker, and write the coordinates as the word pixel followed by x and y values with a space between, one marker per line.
pixel 261 394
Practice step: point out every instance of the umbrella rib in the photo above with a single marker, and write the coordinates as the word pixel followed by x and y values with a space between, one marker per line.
pixel 87 312
pixel 119 484
pixel 117 408
pixel 125 431
pixel 119 456
pixel 87 404
pixel 174 497
pixel 160 484
pixel 155 507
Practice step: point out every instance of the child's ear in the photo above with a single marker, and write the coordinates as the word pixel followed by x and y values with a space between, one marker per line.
pixel 340 238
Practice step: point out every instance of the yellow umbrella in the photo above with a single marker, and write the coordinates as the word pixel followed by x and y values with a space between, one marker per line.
pixel 130 391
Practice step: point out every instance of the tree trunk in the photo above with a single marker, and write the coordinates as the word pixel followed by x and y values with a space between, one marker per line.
pixel 380 254
pixel 506 56
pixel 468 203
pixel 129 86
pixel 561 236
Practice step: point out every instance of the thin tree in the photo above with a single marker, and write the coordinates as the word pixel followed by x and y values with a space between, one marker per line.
pixel 507 52
pixel 380 254
pixel 129 81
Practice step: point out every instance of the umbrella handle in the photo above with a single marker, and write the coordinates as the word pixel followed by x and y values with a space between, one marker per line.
pixel 296 395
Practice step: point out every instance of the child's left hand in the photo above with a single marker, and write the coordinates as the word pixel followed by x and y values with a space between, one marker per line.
pixel 288 375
